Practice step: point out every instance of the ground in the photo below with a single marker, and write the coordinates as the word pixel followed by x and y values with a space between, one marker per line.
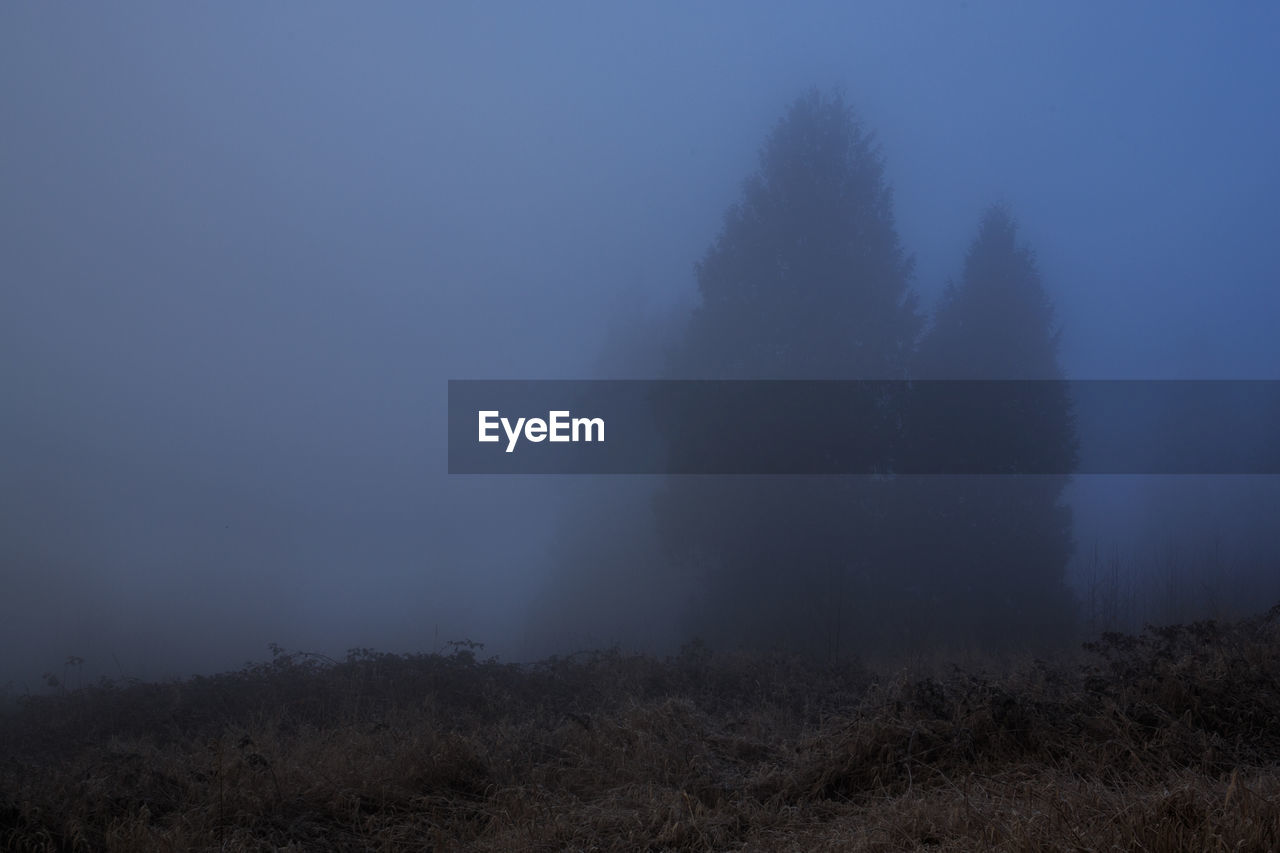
pixel 1168 741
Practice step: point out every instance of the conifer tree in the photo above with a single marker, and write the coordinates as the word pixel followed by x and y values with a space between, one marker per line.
pixel 993 551
pixel 807 280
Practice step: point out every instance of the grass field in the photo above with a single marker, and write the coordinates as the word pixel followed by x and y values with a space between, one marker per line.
pixel 1168 741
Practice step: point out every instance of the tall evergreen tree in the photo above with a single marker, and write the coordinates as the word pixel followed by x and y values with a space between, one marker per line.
pixel 807 280
pixel 993 557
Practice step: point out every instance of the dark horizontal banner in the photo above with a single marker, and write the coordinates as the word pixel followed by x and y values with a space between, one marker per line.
pixel 806 427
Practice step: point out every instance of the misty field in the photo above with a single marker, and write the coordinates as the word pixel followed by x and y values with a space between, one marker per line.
pixel 1160 742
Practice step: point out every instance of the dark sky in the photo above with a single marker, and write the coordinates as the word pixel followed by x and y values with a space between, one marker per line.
pixel 243 247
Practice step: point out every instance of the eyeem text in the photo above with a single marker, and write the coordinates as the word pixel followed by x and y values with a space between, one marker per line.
pixel 558 426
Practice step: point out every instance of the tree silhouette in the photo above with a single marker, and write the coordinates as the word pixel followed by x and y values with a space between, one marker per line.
pixel 996 550
pixel 807 280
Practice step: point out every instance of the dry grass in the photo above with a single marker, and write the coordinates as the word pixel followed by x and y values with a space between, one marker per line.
pixel 1165 742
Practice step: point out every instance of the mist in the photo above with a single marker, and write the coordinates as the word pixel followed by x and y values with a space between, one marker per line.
pixel 244 248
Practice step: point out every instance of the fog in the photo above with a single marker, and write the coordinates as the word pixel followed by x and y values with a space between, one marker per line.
pixel 244 247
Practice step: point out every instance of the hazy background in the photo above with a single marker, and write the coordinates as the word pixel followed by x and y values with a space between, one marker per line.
pixel 243 247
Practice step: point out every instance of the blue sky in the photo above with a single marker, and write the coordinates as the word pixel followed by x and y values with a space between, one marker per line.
pixel 244 246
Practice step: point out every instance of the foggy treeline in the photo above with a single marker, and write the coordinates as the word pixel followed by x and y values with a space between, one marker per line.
pixel 245 249
pixel 808 279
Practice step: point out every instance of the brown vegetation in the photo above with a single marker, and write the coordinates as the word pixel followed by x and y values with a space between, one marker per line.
pixel 1160 742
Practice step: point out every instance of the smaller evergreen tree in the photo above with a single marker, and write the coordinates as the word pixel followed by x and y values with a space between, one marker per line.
pixel 995 555
pixel 998 322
